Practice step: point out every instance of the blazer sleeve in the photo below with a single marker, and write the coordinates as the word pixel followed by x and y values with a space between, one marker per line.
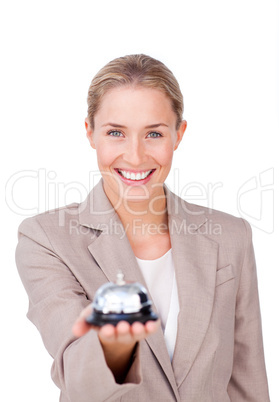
pixel 248 382
pixel 56 298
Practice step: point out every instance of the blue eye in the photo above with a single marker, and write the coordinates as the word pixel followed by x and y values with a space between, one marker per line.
pixel 115 133
pixel 154 134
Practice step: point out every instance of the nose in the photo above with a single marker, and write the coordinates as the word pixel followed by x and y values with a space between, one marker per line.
pixel 135 153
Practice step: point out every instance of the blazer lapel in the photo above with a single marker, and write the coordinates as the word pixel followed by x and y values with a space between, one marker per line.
pixel 195 261
pixel 111 250
pixel 110 247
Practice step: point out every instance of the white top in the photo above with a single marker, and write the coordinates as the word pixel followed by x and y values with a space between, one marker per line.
pixel 160 279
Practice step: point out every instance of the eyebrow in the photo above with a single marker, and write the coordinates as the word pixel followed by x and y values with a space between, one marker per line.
pixel 120 126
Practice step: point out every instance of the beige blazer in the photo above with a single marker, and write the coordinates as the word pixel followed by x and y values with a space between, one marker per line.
pixel 63 256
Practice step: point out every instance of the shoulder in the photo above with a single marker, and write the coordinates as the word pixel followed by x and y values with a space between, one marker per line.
pixel 213 223
pixel 226 229
pixel 72 220
pixel 218 216
pixel 55 220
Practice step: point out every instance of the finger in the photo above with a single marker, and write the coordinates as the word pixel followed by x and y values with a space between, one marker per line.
pixel 138 331
pixel 152 326
pixel 124 333
pixel 141 331
pixel 81 327
pixel 107 334
pixel 86 311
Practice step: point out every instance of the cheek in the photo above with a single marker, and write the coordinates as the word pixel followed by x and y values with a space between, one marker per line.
pixel 165 155
pixel 105 155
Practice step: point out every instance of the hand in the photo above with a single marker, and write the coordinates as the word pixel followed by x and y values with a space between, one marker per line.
pixel 118 342
pixel 123 333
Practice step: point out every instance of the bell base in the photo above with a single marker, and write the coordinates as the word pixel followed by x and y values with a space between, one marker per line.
pixel 100 319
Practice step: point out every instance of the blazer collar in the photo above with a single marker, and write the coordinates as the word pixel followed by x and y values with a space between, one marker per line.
pixel 96 211
pixel 195 261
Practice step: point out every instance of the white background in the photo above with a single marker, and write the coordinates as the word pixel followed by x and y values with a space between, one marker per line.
pixel 225 56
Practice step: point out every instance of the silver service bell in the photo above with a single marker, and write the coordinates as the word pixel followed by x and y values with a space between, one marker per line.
pixel 114 302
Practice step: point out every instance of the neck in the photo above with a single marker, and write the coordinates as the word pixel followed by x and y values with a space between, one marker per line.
pixel 139 217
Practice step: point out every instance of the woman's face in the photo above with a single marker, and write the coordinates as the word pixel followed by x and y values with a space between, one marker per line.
pixel 134 136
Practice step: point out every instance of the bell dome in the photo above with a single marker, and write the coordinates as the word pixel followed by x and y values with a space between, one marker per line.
pixel 114 302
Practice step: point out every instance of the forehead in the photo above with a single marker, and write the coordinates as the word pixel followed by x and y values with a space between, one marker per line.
pixel 135 104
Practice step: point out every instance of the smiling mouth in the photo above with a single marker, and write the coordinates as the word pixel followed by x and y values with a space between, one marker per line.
pixel 135 176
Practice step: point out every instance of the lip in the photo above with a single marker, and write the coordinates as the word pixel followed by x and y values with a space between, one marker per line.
pixel 130 182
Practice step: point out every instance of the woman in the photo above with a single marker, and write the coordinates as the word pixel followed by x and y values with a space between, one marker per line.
pixel 198 264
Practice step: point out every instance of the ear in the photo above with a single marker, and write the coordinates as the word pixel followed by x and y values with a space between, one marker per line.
pixel 89 133
pixel 180 132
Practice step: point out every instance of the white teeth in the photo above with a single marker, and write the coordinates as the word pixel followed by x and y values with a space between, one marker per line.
pixel 135 176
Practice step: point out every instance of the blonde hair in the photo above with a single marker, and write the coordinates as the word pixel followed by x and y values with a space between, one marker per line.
pixel 135 70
